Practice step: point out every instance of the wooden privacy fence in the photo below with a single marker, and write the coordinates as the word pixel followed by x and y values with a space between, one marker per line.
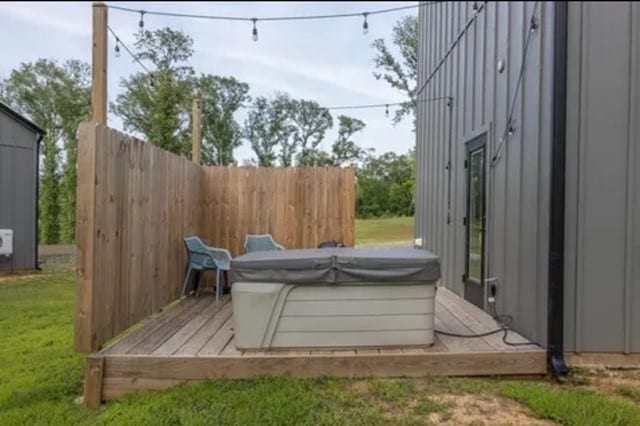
pixel 137 202
pixel 300 207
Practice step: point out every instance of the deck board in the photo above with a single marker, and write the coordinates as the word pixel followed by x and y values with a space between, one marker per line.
pixel 178 340
pixel 219 340
pixel 151 342
pixel 194 340
pixel 206 332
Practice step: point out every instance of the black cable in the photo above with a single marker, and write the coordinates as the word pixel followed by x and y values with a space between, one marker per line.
pixel 533 26
pixel 269 18
pixel 455 42
pixel 503 320
pixel 367 106
pixel 135 58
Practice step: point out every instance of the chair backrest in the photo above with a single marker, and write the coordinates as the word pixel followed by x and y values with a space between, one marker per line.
pixel 195 249
pixel 260 242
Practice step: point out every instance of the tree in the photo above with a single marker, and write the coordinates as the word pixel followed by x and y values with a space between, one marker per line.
pixel 221 97
pixel 345 151
pixel 283 107
pixel 401 73
pixel 57 97
pixel 158 105
pixel 311 124
pixel 386 185
pixel 266 127
pixel 75 100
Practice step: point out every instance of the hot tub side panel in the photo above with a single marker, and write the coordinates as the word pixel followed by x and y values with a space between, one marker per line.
pixel 279 316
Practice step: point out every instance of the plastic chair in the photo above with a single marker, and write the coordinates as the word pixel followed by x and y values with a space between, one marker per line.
pixel 260 242
pixel 203 258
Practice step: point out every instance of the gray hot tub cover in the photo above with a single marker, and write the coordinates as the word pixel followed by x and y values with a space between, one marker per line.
pixel 337 265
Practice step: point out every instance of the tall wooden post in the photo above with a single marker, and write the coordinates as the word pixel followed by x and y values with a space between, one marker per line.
pixel 196 130
pixel 99 64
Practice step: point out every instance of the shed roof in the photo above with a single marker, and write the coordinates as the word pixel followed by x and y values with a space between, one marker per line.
pixel 22 119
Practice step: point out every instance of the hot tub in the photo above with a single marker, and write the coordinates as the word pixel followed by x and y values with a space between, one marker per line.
pixel 334 298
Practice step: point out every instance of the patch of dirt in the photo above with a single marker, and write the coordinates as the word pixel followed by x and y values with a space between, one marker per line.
pixel 451 408
pixel 360 386
pixel 612 381
pixel 470 409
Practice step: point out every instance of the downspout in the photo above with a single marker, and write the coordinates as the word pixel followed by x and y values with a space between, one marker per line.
pixel 40 137
pixel 555 304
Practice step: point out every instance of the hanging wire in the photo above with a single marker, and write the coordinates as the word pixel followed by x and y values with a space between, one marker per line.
pixel 271 18
pixel 509 127
pixel 451 47
pixel 370 106
pixel 129 51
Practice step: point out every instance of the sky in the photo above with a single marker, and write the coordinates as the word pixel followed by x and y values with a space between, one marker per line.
pixel 329 61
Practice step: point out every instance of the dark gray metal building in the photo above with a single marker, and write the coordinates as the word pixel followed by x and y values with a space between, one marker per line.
pixel 528 164
pixel 19 148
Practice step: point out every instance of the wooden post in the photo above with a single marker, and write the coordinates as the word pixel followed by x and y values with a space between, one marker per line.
pixel 196 130
pixel 93 377
pixel 99 64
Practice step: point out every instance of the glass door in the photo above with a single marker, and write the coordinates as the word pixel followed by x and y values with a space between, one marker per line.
pixel 475 221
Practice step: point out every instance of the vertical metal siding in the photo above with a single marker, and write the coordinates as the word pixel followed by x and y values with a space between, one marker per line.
pixel 518 193
pixel 603 184
pixel 18 204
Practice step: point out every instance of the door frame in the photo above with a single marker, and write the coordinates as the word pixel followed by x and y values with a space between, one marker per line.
pixel 474 290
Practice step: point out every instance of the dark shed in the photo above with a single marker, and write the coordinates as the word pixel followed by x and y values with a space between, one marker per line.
pixel 19 149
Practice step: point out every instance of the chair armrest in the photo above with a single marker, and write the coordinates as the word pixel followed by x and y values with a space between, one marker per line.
pixel 214 251
pixel 205 253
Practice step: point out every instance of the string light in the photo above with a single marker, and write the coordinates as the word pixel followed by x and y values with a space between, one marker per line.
pixel 386 110
pixel 274 18
pixel 370 106
pixel 534 24
pixel 452 46
pixel 254 33
pixel 365 24
pixel 133 56
pixel 509 128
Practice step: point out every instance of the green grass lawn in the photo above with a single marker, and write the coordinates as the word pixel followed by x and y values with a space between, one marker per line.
pixel 41 376
pixel 384 230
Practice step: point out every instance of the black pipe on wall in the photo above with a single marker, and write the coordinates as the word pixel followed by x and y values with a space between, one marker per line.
pixel 555 304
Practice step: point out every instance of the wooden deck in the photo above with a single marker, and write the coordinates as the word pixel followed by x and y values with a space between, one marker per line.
pixel 193 340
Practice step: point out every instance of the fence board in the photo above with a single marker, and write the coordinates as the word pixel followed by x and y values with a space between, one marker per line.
pixel 137 202
pixel 300 207
pixel 130 229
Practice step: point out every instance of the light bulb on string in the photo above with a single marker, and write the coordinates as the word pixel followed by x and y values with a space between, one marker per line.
pixel 475 7
pixel 534 24
pixel 141 22
pixel 365 24
pixel 386 110
pixel 254 33
pixel 117 49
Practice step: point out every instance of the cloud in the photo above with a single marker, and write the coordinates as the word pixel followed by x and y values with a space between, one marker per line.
pixel 51 18
pixel 352 79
